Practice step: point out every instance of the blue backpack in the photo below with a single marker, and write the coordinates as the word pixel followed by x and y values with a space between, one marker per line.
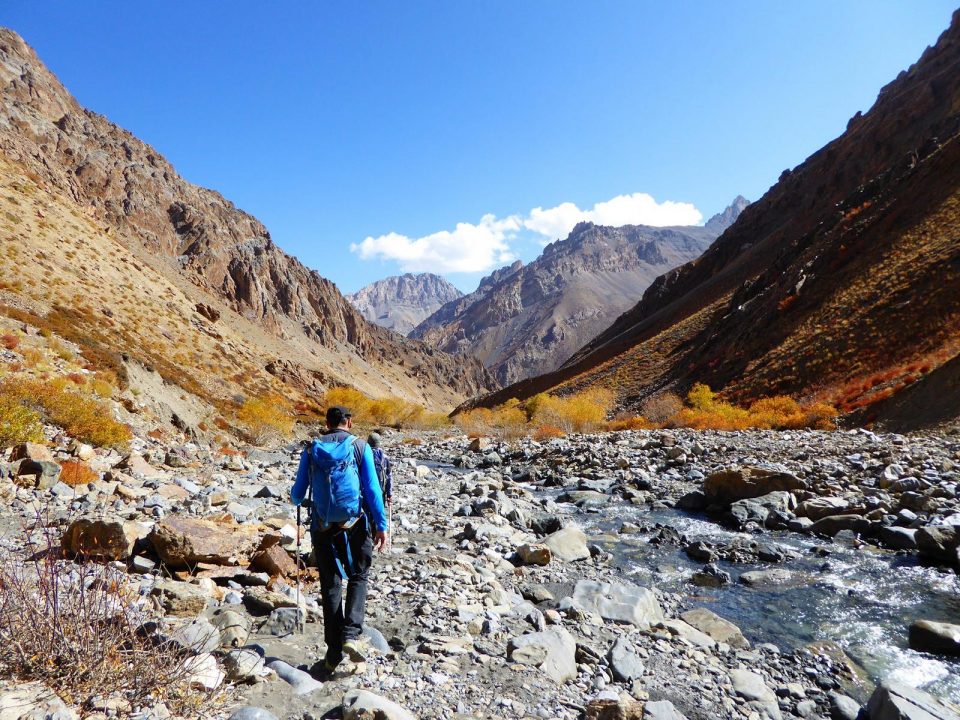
pixel 334 481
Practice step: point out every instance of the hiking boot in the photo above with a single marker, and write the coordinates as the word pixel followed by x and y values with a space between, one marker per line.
pixel 355 649
pixel 323 669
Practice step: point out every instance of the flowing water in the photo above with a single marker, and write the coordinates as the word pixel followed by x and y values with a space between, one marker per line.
pixel 863 599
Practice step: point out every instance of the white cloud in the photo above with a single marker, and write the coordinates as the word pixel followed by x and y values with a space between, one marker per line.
pixel 635 209
pixel 482 246
pixel 467 248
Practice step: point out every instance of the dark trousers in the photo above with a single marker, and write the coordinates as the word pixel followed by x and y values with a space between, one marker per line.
pixel 339 623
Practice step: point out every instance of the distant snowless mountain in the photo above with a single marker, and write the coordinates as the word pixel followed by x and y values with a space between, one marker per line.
pixel 402 302
pixel 526 320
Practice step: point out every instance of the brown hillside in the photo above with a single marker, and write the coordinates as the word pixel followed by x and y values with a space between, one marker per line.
pixel 842 282
pixel 103 239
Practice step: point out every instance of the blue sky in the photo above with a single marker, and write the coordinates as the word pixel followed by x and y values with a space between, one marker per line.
pixel 423 135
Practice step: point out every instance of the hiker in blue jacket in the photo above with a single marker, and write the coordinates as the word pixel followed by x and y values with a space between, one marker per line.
pixel 338 475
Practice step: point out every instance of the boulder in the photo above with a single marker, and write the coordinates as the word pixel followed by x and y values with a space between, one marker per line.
pixel 274 561
pixel 618 602
pixel 182 541
pixel 202 672
pixel 300 682
pixel 569 543
pixel 897 538
pixel 662 710
pixel 938 638
pixel 772 579
pixel 198 636
pixel 179 598
pixel 759 509
pixel 750 686
pixel 242 665
pixel 843 707
pixel 716 627
pixel 833 524
pixel 104 539
pixel 939 543
pixel 31 451
pixel 33 700
pixel 284 621
pixel 894 701
pixel 687 632
pixel 538 554
pixel 252 713
pixel 609 705
pixel 480 444
pixel 821 507
pixel 553 651
pixel 42 474
pixel 739 483
pixel 365 705
pixel 234 627
pixel 625 663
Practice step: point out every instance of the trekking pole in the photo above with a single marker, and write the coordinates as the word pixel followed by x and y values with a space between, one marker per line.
pixel 390 526
pixel 300 611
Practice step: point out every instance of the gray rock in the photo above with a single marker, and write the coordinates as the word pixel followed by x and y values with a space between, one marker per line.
pixel 553 651
pixel 569 543
pixel 284 621
pixel 843 707
pixel 363 704
pixel 771 579
pixel 618 602
pixel 234 627
pixel 662 710
pixel 711 624
pixel 939 543
pixel 894 701
pixel 898 538
pixel 624 661
pixel 252 713
pixel 198 636
pixel 832 524
pixel 242 665
pixel 376 639
pixel 749 685
pixel 300 682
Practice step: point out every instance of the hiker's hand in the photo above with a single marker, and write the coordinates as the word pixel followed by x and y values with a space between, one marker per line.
pixel 389 501
pixel 380 540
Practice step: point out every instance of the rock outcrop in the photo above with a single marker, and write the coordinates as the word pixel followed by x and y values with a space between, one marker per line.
pixel 402 302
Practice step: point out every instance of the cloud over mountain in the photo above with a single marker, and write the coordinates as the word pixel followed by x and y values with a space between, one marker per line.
pixel 477 247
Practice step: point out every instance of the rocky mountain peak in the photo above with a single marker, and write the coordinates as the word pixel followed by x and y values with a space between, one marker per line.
pixel 724 219
pixel 402 302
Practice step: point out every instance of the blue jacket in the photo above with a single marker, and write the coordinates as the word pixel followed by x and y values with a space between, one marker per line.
pixel 369 484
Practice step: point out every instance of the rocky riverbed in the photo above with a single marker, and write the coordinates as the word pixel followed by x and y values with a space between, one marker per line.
pixel 627 575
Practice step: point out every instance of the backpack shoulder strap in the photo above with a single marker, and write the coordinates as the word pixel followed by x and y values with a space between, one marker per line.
pixel 359 446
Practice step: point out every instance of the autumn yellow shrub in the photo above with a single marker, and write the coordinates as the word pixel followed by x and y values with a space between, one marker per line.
pixel 475 422
pixel 80 415
pixel 582 412
pixel 630 422
pixel 74 473
pixel 18 423
pixel 820 416
pixel 547 432
pixel 662 407
pixel 265 418
pixel 776 413
pixel 509 421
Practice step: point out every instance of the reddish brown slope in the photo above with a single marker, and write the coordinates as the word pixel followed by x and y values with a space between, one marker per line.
pixel 844 274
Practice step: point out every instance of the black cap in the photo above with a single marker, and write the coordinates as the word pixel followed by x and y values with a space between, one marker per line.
pixel 336 415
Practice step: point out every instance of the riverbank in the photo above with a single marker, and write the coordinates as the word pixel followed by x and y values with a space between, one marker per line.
pixel 466 622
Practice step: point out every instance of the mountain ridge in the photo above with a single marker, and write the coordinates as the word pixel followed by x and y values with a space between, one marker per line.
pixel 840 283
pixel 401 302
pixel 311 336
pixel 527 319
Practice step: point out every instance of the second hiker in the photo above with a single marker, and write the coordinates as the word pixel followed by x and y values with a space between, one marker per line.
pixel 347 520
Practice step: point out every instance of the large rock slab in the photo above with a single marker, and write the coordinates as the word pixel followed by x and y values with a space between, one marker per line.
pixel 624 603
pixel 821 507
pixel 553 651
pixel 832 524
pixel 569 543
pixel 662 710
pixel 894 701
pixel 739 483
pixel 938 638
pixel 103 539
pixel 300 682
pixel 716 627
pixel 625 663
pixel 183 541
pixel 179 598
pixel 29 701
pixel 939 543
pixel 365 705
pixel 751 686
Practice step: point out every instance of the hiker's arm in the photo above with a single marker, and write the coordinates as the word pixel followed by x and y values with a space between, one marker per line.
pixel 370 487
pixel 298 492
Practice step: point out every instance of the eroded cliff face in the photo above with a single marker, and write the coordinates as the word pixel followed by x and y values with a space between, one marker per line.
pixel 841 282
pixel 402 302
pixel 527 320
pixel 130 189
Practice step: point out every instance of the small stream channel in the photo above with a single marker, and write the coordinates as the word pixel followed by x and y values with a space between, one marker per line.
pixel 864 599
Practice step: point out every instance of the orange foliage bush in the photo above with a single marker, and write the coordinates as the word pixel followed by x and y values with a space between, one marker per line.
pixel 546 432
pixel 661 407
pixel 635 422
pixel 10 342
pixel 74 473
